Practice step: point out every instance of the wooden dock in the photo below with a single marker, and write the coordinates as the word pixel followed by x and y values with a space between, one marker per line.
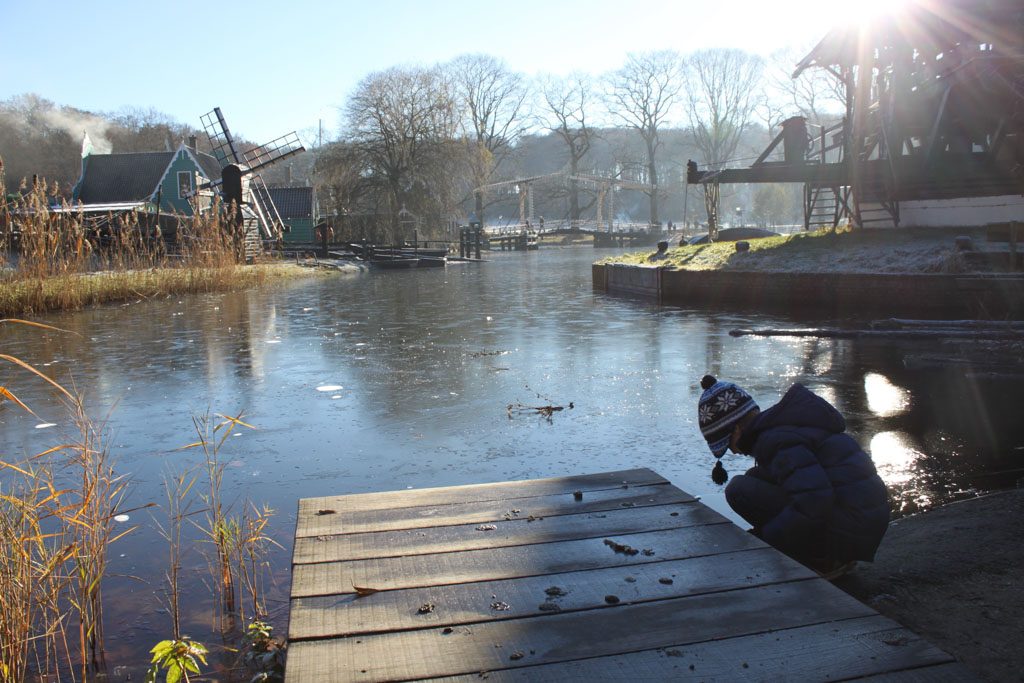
pixel 613 576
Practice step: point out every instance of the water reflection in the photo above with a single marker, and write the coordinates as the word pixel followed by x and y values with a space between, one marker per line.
pixel 899 464
pixel 885 399
pixel 388 381
pixel 895 459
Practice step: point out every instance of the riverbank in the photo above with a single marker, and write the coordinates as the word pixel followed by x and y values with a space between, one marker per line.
pixel 846 274
pixel 953 576
pixel 824 251
pixel 36 296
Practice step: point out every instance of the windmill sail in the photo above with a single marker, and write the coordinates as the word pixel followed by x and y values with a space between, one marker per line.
pixel 220 138
pixel 256 206
pixel 273 151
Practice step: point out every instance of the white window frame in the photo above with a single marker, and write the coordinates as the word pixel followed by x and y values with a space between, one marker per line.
pixel 191 184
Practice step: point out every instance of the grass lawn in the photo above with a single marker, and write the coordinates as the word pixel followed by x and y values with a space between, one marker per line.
pixel 861 251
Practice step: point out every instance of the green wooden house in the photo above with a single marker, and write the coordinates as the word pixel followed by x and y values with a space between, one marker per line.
pixel 299 211
pixel 151 181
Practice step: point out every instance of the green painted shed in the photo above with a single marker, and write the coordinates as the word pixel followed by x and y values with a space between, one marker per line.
pixel 298 208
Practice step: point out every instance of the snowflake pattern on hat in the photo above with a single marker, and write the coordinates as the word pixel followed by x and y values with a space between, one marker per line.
pixel 720 407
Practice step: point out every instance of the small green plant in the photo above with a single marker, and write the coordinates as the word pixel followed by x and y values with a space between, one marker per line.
pixel 264 653
pixel 178 658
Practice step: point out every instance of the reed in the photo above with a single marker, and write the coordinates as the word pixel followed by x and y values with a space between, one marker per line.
pixel 34 576
pixel 220 528
pixel 178 509
pixel 57 523
pixel 54 259
pixel 251 562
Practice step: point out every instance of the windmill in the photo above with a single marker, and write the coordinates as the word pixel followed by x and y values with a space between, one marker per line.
pixel 241 182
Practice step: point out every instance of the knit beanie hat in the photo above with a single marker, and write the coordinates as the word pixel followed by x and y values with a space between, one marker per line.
pixel 721 406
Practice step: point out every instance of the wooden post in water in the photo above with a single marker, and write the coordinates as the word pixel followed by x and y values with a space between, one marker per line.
pixel 1013 246
pixel 479 235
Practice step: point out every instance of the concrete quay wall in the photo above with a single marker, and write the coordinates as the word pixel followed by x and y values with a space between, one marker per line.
pixel 835 294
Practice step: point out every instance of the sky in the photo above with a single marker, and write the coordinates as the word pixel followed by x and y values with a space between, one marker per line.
pixel 275 67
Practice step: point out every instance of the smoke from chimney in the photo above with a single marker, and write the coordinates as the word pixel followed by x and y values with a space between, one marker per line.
pixel 75 124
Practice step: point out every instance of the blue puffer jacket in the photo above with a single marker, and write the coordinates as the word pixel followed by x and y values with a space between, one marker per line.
pixel 838 504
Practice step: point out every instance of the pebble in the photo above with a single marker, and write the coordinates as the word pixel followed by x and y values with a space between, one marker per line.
pixel 611 599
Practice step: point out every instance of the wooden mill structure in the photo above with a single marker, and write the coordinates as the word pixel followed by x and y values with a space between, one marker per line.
pixel 933 129
pixel 240 183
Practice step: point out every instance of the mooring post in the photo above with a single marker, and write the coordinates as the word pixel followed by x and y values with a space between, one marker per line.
pixel 479 235
pixel 1013 245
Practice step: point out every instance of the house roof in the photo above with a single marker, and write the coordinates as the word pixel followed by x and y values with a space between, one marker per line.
pixel 292 202
pixel 134 176
pixel 122 177
pixel 210 166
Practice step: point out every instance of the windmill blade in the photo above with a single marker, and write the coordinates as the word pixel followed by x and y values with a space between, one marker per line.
pixel 220 138
pixel 271 224
pixel 272 152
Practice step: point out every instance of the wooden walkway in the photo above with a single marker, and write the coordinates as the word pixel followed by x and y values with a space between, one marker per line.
pixel 614 576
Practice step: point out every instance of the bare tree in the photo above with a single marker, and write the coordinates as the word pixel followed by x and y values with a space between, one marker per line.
pixel 146 130
pixel 723 88
pixel 567 103
pixel 403 122
pixel 492 99
pixel 643 95
pixel 815 94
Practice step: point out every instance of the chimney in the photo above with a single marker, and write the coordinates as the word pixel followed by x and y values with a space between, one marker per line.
pixel 288 174
pixel 192 143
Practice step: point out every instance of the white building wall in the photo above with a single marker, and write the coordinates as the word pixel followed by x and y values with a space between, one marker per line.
pixel 962 212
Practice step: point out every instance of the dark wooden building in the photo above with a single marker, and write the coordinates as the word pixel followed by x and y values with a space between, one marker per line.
pixel 933 132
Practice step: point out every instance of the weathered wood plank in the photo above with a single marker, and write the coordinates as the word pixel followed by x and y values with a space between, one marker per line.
pixel 330 616
pixel 332 578
pixel 311 523
pixel 942 673
pixel 502 532
pixel 823 652
pixel 616 629
pixel 505 490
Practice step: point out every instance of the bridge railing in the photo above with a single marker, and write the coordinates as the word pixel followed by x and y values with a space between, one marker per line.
pixel 586 225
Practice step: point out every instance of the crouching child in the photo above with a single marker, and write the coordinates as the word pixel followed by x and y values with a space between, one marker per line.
pixel 813 493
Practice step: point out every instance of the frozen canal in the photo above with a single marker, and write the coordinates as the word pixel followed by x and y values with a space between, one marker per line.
pixel 392 380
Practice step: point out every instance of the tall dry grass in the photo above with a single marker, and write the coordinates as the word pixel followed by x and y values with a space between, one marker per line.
pixel 59 260
pixel 57 519
pixel 58 516
pixel 239 541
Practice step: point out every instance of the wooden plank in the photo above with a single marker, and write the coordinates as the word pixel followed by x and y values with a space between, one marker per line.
pixel 446 495
pixel 311 524
pixel 502 532
pixel 617 629
pixel 942 673
pixel 834 651
pixel 332 578
pixel 331 616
